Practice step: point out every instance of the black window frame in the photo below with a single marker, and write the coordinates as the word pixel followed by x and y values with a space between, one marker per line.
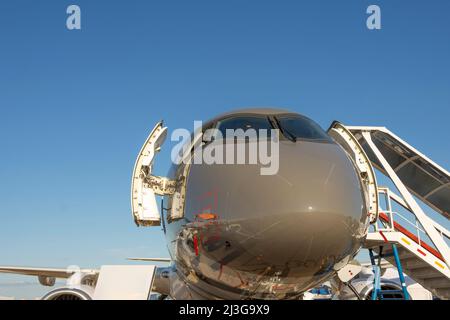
pixel 246 115
pixel 278 117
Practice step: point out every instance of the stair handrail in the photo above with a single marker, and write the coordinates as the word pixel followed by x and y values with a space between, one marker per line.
pixel 397 199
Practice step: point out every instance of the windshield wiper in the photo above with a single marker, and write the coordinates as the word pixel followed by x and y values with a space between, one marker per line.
pixel 286 132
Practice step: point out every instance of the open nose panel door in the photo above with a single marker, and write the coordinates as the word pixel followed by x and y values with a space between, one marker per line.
pixel 362 163
pixel 143 193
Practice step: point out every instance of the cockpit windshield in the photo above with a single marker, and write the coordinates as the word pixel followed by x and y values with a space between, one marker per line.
pixel 292 126
pixel 245 123
pixel 299 127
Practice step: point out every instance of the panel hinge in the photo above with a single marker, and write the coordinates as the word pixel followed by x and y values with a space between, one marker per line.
pixel 161 186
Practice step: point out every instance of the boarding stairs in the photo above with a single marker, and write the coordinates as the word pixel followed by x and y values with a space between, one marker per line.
pixel 402 226
pixel 418 257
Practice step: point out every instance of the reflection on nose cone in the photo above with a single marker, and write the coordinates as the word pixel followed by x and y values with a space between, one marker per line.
pixel 288 229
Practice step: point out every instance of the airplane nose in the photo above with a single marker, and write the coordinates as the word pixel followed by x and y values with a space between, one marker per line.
pixel 295 225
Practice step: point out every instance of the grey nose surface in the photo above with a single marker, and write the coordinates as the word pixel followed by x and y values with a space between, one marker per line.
pixel 299 221
pixel 277 233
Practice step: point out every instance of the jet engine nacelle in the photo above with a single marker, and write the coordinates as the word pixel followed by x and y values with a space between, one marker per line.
pixel 70 293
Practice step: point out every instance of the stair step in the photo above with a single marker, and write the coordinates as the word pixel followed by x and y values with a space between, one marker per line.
pixel 425 273
pixel 406 254
pixel 413 264
pixel 390 295
pixel 441 283
pixel 391 292
pixel 443 293
pixel 415 268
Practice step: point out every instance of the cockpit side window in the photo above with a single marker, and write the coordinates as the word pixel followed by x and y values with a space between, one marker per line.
pixel 300 127
pixel 245 123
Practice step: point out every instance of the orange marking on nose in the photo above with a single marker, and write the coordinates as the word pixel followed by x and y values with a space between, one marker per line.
pixel 207 216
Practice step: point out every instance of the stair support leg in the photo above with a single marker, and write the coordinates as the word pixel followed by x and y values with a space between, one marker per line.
pixel 400 272
pixel 377 276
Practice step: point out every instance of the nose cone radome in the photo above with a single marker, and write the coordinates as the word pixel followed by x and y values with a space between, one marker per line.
pixel 295 224
pixel 313 206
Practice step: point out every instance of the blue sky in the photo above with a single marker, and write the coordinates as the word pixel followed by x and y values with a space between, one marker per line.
pixel 75 106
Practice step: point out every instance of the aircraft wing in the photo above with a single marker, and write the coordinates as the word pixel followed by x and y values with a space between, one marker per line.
pixel 150 259
pixel 112 282
pixel 43 272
